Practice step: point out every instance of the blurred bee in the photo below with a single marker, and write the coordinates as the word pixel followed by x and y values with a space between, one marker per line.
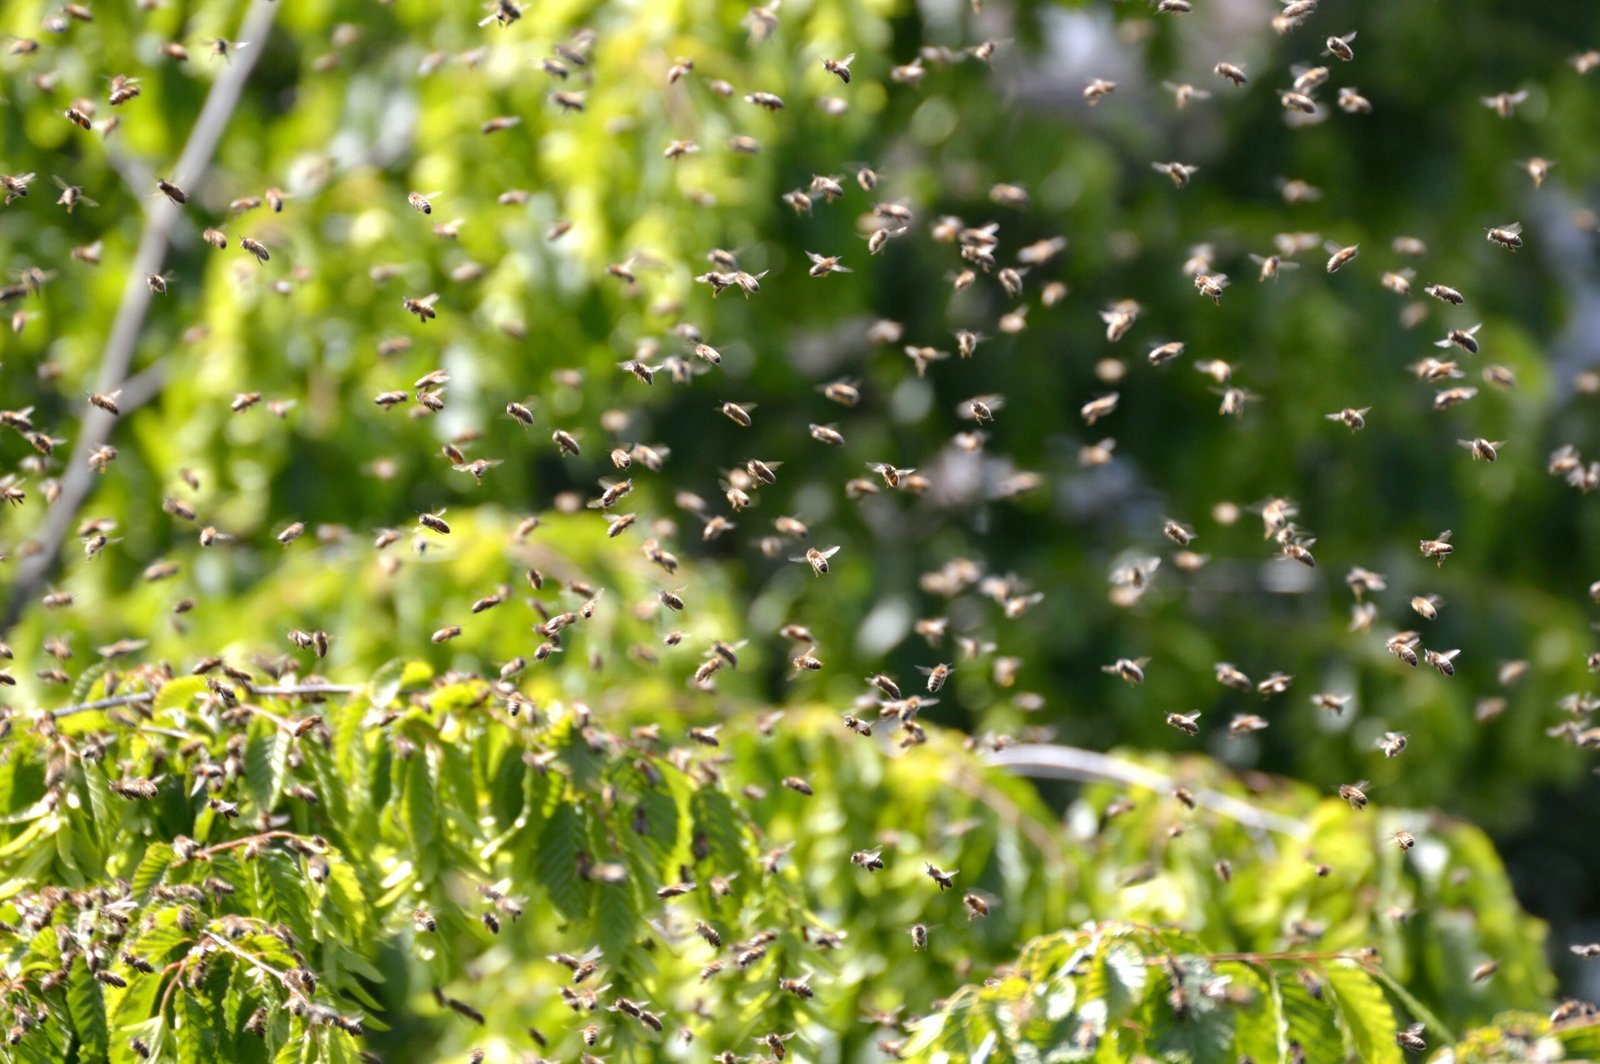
pixel 1403 645
pixel 937 676
pixel 1427 606
pixel 1392 743
pixel 1354 794
pixel 1161 354
pixel 568 101
pixel 1097 90
pixel 1439 548
pixel 1271 266
pixel 422 202
pixel 1410 1039
pixel 1351 417
pixel 1352 102
pixel 919 936
pixel 1340 256
pixel 1096 409
pixel 1182 94
pixel 945 879
pixel 1180 534
pixel 765 99
pixel 1505 104
pixel 1443 660
pixel 1231 72
pixel 1211 285
pixel 157 283
pixel 1188 723
pixel 1507 236
pixel 1178 173
pixel 871 860
pixel 822 265
pixel 1130 670
pixel 1466 339
pixel 71 196
pixel 1482 449
pixel 256 248
pixel 1339 47
pixel 1403 839
pixel 840 68
pixel 1330 703
pixel 1297 101
pixel 422 308
pixel 1446 294
pixel 1538 169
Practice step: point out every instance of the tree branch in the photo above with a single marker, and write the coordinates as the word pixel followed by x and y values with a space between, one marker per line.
pixel 141 697
pixel 1047 761
pixel 117 359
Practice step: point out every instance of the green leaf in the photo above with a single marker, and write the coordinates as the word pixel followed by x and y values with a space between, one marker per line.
pixel 197 1035
pixel 86 1005
pixel 556 861
pixel 152 867
pixel 421 812
pixel 1308 1023
pixel 177 693
pixel 266 764
pixel 1365 1010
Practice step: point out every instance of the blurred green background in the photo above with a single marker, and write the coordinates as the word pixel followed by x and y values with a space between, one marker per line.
pixel 353 105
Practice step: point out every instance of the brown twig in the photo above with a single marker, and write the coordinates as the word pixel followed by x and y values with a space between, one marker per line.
pixel 140 697
pixel 117 359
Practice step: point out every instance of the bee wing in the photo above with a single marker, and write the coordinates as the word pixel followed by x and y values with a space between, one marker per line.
pixel 429 300
pixel 830 552
pixel 1444 537
pixel 847 60
pixel 1514 228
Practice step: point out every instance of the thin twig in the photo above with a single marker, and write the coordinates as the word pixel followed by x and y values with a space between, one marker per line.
pixel 141 697
pixel 117 359
pixel 1049 761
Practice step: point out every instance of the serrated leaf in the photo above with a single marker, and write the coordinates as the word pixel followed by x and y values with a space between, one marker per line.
pixel 1124 976
pixel 87 1007
pixel 421 813
pixel 266 765
pixel 178 693
pixel 556 861
pixel 1307 1022
pixel 281 891
pixel 198 1038
pixel 151 868
pixel 1365 1012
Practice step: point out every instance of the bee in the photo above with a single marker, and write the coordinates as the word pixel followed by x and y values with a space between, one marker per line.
pixel 1340 255
pixel 817 559
pixel 1585 62
pixel 1180 534
pixel 1466 339
pixel 1330 703
pixel 822 265
pixel 936 676
pixel 1403 645
pixel 275 198
pixel 1392 743
pixel 1161 354
pixel 1507 236
pixel 79 118
pixel 1353 418
pixel 739 413
pixel 919 937
pixel 766 100
pixel 1452 397
pixel 910 73
pixel 1339 47
pixel 1272 266
pixel 255 247
pixel 1443 660
pixel 134 789
pixel 1178 173
pixel 827 434
pixel 840 68
pixel 71 196
pixel 1411 1039
pixel 422 308
pixel 1182 94
pixel 1482 449
pixel 1097 90
pixel 567 101
pixel 1505 104
pixel 1445 294
pixel 157 283
pixel 1174 7
pixel 1354 794
pixel 89 253
pixel 422 202
pixel 1297 101
pixel 224 48
pixel 1096 409
pixel 945 879
pixel 1427 606
pixel 1484 971
pixel 1188 723
pixel 1538 169
pixel 1439 548
pixel 1231 73
pixel 1245 723
pixel 1211 285
pixel 1130 670
pixel 1352 102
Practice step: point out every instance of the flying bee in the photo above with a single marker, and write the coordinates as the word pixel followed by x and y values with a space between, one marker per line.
pixel 766 100
pixel 568 101
pixel 936 676
pixel 1392 743
pixel 1130 670
pixel 871 860
pixel 822 265
pixel 1297 101
pixel 1096 409
pixel 422 308
pixel 1330 703
pixel 71 196
pixel 1443 660
pixel 157 283
pixel 945 879
pixel 1351 417
pixel 1180 534
pixel 422 202
pixel 1505 104
pixel 1446 294
pixel 256 248
pixel 1538 169
pixel 840 68
pixel 1097 90
pixel 79 118
pixel 1188 723
pixel 1182 94
pixel 1403 839
pixel 1439 548
pixel 1411 1039
pixel 1483 450
pixel 1211 285
pixel 1352 102
pixel 817 559
pixel 1354 794
pixel 1340 255
pixel 1230 72
pixel 1403 645
pixel 224 48
pixel 1339 47
pixel 1178 173
pixel 1427 606
pixel 108 403
pixel 171 191
pixel 1507 236
pixel 1161 354
pixel 1272 266
pixel 1466 339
